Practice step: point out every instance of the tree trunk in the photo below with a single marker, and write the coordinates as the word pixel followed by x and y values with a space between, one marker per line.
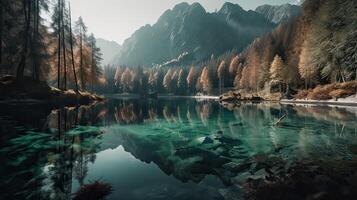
pixel 81 60
pixel 93 70
pixel 37 70
pixel 1 30
pixel 59 48
pixel 34 41
pixel 64 47
pixel 21 66
pixel 72 54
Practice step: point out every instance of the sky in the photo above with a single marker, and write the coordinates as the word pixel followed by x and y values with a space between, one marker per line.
pixel 117 20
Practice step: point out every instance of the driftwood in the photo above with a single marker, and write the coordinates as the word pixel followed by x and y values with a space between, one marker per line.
pixel 279 120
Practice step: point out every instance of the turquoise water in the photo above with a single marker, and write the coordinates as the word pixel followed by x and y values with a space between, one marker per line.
pixel 165 149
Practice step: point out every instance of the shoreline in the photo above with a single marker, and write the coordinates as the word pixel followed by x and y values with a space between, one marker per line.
pixel 319 102
pixel 350 101
pixel 189 97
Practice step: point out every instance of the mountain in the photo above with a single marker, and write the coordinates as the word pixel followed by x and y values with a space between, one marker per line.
pixel 189 33
pixel 109 50
pixel 279 14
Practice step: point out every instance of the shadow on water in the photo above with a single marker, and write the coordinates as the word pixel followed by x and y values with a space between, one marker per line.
pixel 186 149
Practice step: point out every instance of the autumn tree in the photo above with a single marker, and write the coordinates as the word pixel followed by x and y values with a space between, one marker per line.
pixel 307 70
pixel 167 82
pixel 277 71
pixel 238 76
pixel 153 79
pixel 233 67
pixel 181 82
pixel 191 79
pixel 205 80
pixel 221 72
pixel 117 76
pixel 126 79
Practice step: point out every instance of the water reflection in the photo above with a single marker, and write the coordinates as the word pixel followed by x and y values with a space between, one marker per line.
pixel 52 154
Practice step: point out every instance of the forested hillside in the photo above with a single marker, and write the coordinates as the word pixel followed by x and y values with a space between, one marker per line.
pixel 316 48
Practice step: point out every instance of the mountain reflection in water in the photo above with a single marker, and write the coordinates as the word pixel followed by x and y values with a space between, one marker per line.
pixel 165 149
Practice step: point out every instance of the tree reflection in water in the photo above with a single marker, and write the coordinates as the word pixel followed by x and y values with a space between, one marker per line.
pixel 47 155
pixel 43 160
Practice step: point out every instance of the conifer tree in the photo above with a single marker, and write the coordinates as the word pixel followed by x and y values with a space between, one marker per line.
pixel 96 58
pixel 81 30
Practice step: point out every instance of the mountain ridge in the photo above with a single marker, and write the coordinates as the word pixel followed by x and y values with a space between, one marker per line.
pixel 190 28
pixel 279 13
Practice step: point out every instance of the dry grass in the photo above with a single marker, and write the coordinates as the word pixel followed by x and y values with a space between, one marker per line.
pixel 340 93
pixel 330 91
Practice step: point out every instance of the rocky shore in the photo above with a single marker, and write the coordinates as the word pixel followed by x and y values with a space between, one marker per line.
pixel 331 94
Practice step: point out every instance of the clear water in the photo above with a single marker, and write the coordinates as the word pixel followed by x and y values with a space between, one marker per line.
pixel 165 149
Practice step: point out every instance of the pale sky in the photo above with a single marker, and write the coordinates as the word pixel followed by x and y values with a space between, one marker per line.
pixel 117 20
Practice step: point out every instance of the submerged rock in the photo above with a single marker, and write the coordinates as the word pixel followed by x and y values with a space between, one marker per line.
pixel 207 140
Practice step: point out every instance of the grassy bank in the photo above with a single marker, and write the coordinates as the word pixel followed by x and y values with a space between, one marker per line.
pixel 28 90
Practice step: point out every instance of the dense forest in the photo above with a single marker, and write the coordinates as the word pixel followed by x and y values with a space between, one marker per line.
pixel 62 54
pixel 316 48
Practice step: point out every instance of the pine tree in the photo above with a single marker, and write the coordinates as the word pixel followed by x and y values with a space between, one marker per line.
pixel 72 49
pixel 81 30
pixel 96 58
pixel 33 50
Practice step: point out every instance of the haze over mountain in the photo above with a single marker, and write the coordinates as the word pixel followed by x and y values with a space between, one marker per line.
pixel 279 14
pixel 109 50
pixel 189 32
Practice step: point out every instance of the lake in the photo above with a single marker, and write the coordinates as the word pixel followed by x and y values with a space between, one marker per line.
pixel 168 148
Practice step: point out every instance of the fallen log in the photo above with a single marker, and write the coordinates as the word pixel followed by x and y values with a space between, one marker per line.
pixel 280 119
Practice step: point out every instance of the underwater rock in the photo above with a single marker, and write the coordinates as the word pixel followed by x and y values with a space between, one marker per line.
pixel 353 149
pixel 238 124
pixel 231 193
pixel 234 167
pixel 230 141
pixel 207 140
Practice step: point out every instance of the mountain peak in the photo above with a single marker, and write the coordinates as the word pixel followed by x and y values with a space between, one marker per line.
pixel 230 7
pixel 197 6
pixel 181 6
pixel 279 13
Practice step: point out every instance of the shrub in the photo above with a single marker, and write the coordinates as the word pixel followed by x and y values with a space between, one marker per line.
pixel 341 93
pixel 302 94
